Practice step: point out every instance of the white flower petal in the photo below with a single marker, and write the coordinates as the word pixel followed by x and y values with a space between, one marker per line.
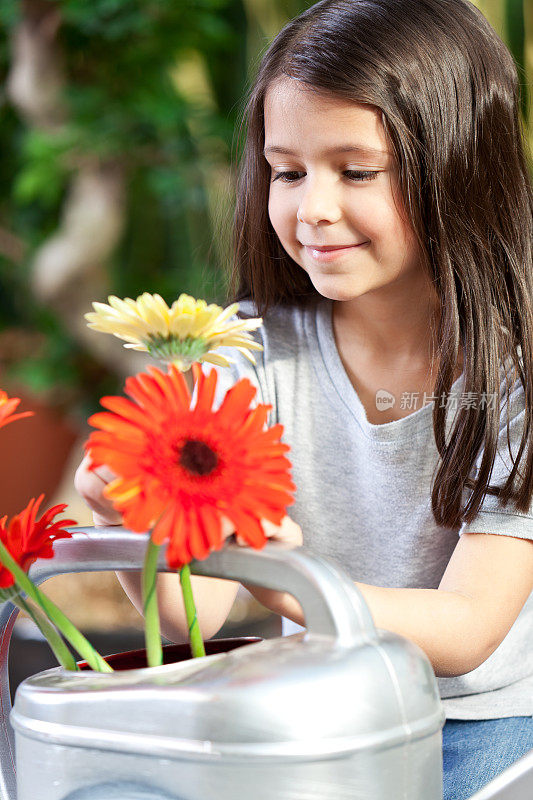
pixel 140 347
pixel 216 358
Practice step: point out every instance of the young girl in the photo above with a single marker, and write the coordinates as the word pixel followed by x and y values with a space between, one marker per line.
pixel 384 231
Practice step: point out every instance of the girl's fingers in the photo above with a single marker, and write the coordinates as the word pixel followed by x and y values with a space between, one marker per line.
pixel 90 485
pixel 289 532
pixel 103 472
pixel 228 528
pixel 108 519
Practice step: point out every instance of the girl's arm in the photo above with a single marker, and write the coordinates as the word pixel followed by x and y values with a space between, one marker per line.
pixel 486 583
pixel 213 597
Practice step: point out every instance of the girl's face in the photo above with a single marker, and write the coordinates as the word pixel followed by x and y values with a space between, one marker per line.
pixel 324 194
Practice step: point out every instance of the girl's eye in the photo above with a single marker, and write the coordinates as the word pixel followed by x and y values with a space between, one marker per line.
pixel 353 175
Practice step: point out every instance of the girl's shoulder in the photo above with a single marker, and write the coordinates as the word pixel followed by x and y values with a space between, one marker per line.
pixel 287 311
pixel 247 309
pixel 282 324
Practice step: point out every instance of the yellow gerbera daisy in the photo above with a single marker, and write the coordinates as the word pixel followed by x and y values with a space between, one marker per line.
pixel 186 332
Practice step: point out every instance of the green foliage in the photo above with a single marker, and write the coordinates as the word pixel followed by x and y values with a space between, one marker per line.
pixel 122 105
pixel 516 40
pixel 43 177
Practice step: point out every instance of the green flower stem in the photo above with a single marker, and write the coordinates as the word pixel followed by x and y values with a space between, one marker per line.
pixel 154 648
pixel 58 646
pixel 195 636
pixel 62 623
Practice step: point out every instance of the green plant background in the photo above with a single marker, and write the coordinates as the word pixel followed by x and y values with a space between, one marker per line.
pixel 157 88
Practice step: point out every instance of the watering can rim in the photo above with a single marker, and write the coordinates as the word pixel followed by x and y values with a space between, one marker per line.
pixel 136 743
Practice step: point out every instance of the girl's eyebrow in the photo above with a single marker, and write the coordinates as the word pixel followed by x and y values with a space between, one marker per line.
pixel 362 150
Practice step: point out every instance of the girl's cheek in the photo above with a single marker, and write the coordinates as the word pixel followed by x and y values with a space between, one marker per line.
pixel 275 213
pixel 282 212
pixel 271 208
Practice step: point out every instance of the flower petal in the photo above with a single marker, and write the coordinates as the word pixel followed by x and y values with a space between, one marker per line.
pixel 142 439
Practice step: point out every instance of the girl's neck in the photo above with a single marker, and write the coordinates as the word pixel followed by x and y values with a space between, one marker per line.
pixel 396 331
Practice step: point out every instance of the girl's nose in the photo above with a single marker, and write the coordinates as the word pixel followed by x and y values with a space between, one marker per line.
pixel 317 204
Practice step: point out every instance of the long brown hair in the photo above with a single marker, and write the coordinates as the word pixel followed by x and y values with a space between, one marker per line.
pixel 449 94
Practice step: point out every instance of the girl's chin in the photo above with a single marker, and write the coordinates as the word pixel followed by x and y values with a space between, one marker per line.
pixel 336 293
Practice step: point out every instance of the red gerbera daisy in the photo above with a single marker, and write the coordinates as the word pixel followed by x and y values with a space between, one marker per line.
pixel 27 539
pixel 7 407
pixel 181 468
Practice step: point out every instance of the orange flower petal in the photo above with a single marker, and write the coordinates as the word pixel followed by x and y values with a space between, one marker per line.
pixel 124 408
pixel 212 526
pixel 100 442
pixel 122 491
pixel 171 523
pixel 256 420
pixel 174 388
pixel 247 526
pixel 138 516
pixel 117 426
pixel 178 552
pixel 198 539
pixel 206 392
pixel 142 441
pixel 235 403
pixel 7 406
pixel 26 540
pixel 143 390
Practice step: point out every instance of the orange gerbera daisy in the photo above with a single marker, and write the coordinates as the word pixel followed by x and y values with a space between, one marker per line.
pixel 27 539
pixel 181 468
pixel 7 407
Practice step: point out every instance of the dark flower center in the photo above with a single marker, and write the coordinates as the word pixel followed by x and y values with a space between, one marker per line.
pixel 198 457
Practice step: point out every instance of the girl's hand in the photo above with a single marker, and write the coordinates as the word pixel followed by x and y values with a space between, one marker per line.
pixel 90 485
pixel 289 532
pixel 282 603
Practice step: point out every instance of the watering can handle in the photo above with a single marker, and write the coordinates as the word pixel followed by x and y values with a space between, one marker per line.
pixel 331 603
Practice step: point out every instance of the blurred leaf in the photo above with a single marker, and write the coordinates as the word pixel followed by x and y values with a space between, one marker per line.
pixel 44 173
pixel 172 137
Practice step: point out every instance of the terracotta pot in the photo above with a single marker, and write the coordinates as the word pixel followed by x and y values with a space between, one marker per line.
pixel 173 653
pixel 33 454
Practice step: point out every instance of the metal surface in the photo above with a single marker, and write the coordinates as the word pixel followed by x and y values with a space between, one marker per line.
pixel 340 712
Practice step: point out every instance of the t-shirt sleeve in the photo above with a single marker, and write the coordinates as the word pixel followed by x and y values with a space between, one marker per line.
pixel 492 516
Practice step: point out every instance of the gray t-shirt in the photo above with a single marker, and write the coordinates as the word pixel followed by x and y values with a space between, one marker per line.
pixel 363 494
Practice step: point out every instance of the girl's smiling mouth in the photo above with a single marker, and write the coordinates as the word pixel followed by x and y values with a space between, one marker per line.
pixel 322 253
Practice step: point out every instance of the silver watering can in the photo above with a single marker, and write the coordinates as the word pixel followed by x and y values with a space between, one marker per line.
pixel 340 712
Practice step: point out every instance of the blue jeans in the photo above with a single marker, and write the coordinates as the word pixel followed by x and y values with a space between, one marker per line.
pixel 475 751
